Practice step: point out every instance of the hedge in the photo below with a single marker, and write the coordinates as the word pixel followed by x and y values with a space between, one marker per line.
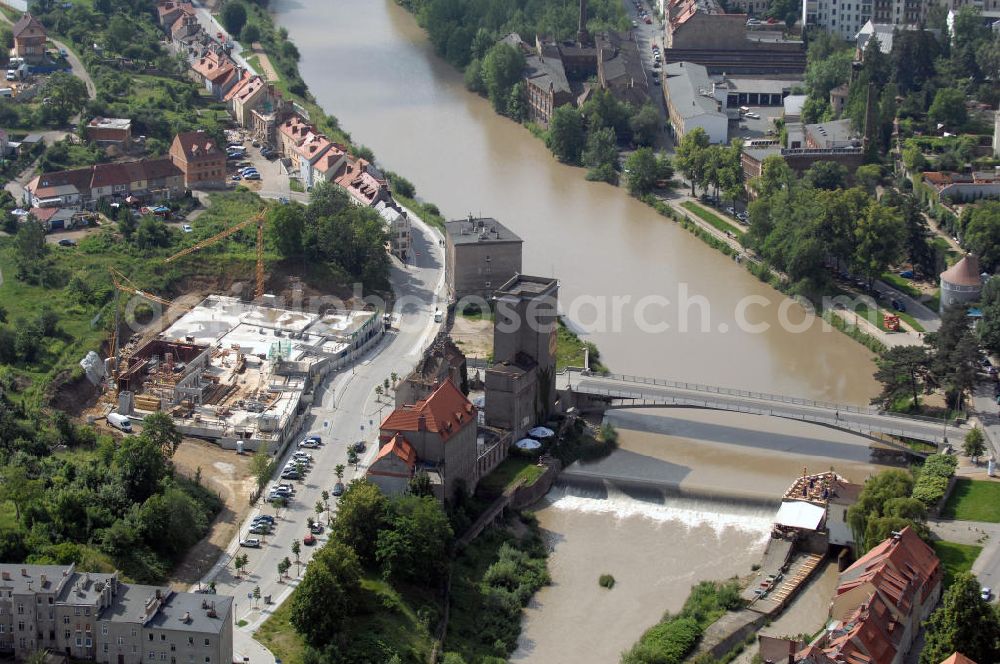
pixel 932 482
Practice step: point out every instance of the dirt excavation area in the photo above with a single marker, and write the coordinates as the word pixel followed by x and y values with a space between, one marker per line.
pixel 473 336
pixel 228 475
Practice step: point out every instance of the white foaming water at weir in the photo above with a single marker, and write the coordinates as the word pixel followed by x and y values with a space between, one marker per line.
pixel 691 512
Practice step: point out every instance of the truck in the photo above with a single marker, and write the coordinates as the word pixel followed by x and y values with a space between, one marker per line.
pixel 120 422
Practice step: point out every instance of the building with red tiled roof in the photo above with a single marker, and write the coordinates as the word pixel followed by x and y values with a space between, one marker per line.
pixel 879 605
pixel 144 179
pixel 291 133
pixel 217 72
pixel 442 430
pixel 315 151
pixel 394 466
pixel 29 38
pixel 963 186
pixel 201 160
pixel 958 658
pixel 169 12
pixel 365 183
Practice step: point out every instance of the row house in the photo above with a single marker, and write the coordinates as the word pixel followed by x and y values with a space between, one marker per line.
pixel 291 133
pixel 317 149
pixel 170 12
pixel 217 72
pixel 397 223
pixel 144 179
pixel 98 618
pixel 199 158
pixel 364 183
pixel 245 96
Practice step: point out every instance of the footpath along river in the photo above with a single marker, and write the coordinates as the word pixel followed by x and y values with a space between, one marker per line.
pixel 368 63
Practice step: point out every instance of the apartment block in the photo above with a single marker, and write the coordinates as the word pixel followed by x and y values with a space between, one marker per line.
pixel 97 617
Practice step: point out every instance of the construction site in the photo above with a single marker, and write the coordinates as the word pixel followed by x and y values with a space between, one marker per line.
pixel 239 373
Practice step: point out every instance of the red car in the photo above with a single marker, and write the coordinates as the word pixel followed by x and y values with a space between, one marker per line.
pixel 648 21
pixel 309 539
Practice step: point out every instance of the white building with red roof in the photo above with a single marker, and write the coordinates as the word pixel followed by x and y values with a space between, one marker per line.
pixel 961 283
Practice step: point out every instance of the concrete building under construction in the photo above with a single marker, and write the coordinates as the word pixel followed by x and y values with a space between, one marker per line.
pixel 240 373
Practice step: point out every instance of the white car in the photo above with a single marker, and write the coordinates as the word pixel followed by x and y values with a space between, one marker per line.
pixel 303 457
pixel 986 594
pixel 755 116
pixel 309 443
pixel 187 228
pixel 251 543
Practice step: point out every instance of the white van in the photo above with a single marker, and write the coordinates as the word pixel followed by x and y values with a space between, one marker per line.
pixel 6 92
pixel 438 316
pixel 120 422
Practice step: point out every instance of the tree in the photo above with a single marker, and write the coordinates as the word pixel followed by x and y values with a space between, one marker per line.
pixel 827 175
pixel 67 95
pixel 339 472
pixel 645 124
pixel 360 516
pixel 866 516
pixel 159 428
pixel 286 225
pixel 566 137
pixel 989 327
pixel 948 108
pixel 250 33
pixel 691 156
pixel 974 445
pixel 965 623
pixel 956 355
pixel 239 562
pixel 261 466
pixel 256 595
pixel 328 593
pixel 903 372
pixel 414 547
pixel 120 33
pixel 318 508
pixel 787 11
pixel 641 171
pixel 879 236
pixel 30 252
pixel 234 17
pixel 982 233
pixel 501 69
pixel 141 467
pixel 601 155
pixel 296 550
pixel 16 487
pixel 152 233
pixel 283 566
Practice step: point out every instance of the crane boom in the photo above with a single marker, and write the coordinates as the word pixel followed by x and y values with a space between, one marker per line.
pixel 257 219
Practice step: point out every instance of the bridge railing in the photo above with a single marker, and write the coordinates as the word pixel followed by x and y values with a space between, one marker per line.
pixel 761 396
pixel 858 426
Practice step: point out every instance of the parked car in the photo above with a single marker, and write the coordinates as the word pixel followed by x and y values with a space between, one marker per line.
pixel 309 443
pixel 731 210
pixel 251 543
pixel 316 528
pixel 906 274
pixel 260 529
pixel 338 489
pixel 283 200
pixel 11 75
pixel 266 518
pixel 986 594
pixel 290 475
pixel 67 242
pixel 755 116
pixel 304 457
pixel 252 176
pixel 898 305
pixel 187 228
pixel 309 539
pixel 648 21
pixel 316 439
pixel 359 446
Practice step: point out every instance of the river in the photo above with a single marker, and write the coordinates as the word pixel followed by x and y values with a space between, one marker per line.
pixel 369 64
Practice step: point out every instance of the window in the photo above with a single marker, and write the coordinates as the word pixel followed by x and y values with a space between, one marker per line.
pixel 86 611
pixel 208 660
pixel 105 647
pixel 190 640
pixel 76 610
pixel 89 642
pixel 150 636
pixel 79 641
pixel 163 637
pixel 206 642
pixel 66 635
pixel 20 609
pixel 20 626
pixel 173 647
pixel 152 655
pixel 121 640
pixel 104 630
pixel 2 628
pixel 50 600
pixel 65 620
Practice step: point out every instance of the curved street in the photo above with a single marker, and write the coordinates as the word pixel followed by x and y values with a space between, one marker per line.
pixel 345 410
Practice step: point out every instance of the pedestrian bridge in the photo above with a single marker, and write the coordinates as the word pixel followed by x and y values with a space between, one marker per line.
pixel 622 391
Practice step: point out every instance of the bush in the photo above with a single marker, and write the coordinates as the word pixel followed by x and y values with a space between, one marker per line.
pixel 932 483
pixel 606 581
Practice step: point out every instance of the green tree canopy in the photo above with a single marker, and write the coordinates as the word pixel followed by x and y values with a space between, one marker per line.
pixel 328 593
pixel 234 17
pixel 964 623
pixel 566 134
pixel 361 514
pixel 903 373
pixel 159 429
pixel 948 108
pixel 501 69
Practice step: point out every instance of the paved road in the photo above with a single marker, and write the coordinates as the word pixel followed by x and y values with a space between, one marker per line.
pixel 346 409
pixel 987 535
pixel 850 418
pixel 213 27
pixel 78 69
pixel 927 317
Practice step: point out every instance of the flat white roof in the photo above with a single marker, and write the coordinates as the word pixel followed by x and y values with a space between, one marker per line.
pixel 800 514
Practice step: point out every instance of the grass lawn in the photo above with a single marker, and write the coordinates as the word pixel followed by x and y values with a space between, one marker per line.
pixel 707 215
pixel 974 500
pixel 513 469
pixel 569 350
pixel 955 558
pixel 901 284
pixel 951 256
pixel 296 185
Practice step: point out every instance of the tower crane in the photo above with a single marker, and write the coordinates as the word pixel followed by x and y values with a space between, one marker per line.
pixel 257 219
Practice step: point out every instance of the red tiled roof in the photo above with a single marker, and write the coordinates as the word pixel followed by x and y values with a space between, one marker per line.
pixel 43 214
pixel 197 145
pixel 958 658
pixel 870 634
pixel 401 447
pixel 445 412
pixel 908 557
pixel 295 128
